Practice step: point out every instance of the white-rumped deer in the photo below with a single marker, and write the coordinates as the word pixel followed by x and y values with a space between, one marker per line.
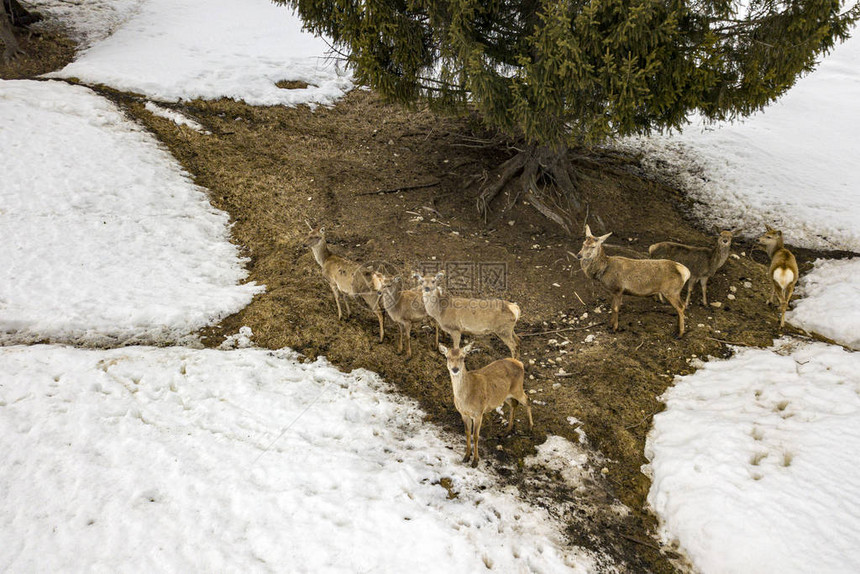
pixel 703 262
pixel 404 306
pixel 642 277
pixel 484 390
pixel 783 269
pixel 458 315
pixel 346 277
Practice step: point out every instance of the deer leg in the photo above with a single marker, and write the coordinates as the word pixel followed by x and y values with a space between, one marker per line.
pixel 400 340
pixel 512 403
pixel 437 335
pixel 346 304
pixel 408 328
pixel 381 318
pixel 689 293
pixel 455 336
pixel 704 282
pixel 336 294
pixel 616 305
pixel 476 434
pixel 509 340
pixel 675 300
pixel 773 294
pixel 467 422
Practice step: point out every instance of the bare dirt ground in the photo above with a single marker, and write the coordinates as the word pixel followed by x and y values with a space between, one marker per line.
pixel 273 169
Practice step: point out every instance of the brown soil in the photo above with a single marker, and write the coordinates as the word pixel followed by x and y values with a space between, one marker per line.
pixel 273 169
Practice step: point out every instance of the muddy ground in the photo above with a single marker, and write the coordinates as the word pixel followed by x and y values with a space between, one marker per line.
pixel 274 169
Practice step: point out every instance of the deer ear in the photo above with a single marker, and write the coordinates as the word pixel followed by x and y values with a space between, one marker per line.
pixel 588 231
pixel 603 238
pixel 440 275
pixel 769 228
pixel 779 233
pixel 467 349
pixel 417 276
pixel 443 349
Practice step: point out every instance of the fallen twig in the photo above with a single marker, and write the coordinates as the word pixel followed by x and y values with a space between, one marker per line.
pixel 644 419
pixel 399 189
pixel 730 342
pixel 640 541
pixel 562 330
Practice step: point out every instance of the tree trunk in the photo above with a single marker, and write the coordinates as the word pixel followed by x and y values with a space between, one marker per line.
pixel 13 15
pixel 544 180
pixel 8 35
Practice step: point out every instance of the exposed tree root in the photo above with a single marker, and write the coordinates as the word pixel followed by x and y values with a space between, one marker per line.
pixel 544 180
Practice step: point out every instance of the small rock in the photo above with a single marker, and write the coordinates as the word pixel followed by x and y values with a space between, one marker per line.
pixel 556 285
pixel 733 289
pixel 531 361
pixel 604 471
pixel 512 222
pixel 532 391
pixel 716 304
pixel 747 284
pixel 730 297
pixel 589 339
pixel 556 385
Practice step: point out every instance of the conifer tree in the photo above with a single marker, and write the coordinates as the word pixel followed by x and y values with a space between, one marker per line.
pixel 557 74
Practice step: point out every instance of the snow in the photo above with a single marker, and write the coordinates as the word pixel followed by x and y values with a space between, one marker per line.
pixel 184 49
pixel 173 459
pixel 108 241
pixel 793 166
pixel 754 461
pixel 829 301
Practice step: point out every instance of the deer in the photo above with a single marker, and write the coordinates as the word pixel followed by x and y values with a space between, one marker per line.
pixel 458 315
pixel 641 277
pixel 703 262
pixel 404 306
pixel 783 270
pixel 345 277
pixel 484 390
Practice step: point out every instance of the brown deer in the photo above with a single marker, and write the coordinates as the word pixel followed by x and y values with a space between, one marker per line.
pixel 404 306
pixel 703 262
pixel 458 315
pixel 346 277
pixel 642 277
pixel 481 391
pixel 783 270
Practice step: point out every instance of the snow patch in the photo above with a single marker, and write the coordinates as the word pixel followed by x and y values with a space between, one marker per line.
pixel 172 50
pixel 203 460
pixel 108 240
pixel 754 461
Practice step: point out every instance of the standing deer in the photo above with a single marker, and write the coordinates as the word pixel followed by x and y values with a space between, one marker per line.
pixel 783 270
pixel 481 391
pixel 404 306
pixel 703 262
pixel 642 277
pixel 345 276
pixel 457 315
